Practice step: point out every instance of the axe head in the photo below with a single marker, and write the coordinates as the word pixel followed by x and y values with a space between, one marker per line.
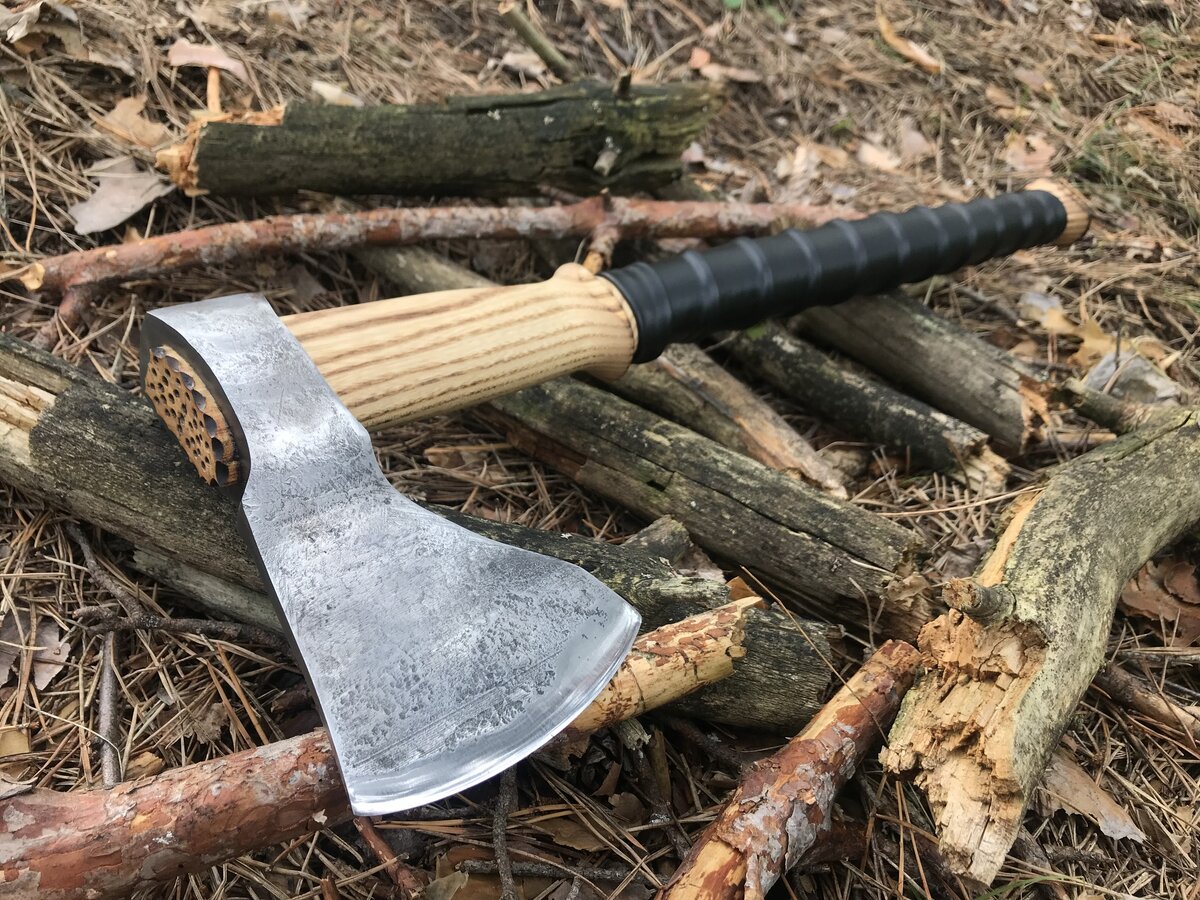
pixel 438 658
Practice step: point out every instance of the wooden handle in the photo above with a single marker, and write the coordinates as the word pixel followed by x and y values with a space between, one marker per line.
pixel 395 360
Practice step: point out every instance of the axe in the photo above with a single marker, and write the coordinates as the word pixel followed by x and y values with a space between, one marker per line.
pixel 438 658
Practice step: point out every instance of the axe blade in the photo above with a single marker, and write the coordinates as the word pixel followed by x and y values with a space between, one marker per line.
pixel 437 657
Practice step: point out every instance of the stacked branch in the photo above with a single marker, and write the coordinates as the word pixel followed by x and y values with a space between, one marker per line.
pixel 1006 667
pixel 100 453
pixel 107 843
pixel 871 408
pixel 584 138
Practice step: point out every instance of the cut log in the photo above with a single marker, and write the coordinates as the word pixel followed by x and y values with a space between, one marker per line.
pixel 107 843
pixel 551 138
pixel 1005 668
pixel 100 453
pixel 688 387
pixel 870 408
pixel 821 549
pixel 937 361
pixel 784 804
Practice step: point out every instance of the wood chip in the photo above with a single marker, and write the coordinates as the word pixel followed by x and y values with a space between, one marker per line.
pixel 127 122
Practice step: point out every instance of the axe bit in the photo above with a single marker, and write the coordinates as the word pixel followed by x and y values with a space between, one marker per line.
pixel 439 658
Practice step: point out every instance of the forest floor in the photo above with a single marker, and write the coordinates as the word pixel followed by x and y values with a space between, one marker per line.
pixel 873 107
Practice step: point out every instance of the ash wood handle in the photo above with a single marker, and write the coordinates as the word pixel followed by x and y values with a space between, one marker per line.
pixel 400 359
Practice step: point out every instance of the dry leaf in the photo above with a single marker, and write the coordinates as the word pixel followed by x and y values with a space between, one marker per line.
pixel 10 787
pixel 877 158
pixel 50 652
pixel 445 888
pixel 184 53
pixel 566 831
pixel 1173 115
pixel 13 741
pixel 1028 154
pixel 289 12
pixel 832 36
pixel 523 62
pixel 28 30
pixel 1033 80
pixel 699 58
pixel 205 727
pixel 1180 579
pixel 913 144
pixel 144 765
pixel 127 122
pixel 717 72
pixel 1138 124
pixel 1068 787
pixel 334 94
pixel 1147 596
pixel 1128 376
pixel 123 190
pixel 911 51
pixel 1003 104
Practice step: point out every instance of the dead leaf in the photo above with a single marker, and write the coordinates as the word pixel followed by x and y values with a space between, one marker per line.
pixel 1068 787
pixel 144 765
pixel 51 654
pixel 1174 115
pixel 205 727
pixel 566 831
pixel 127 122
pixel 1028 154
pixel 911 51
pixel 699 58
pixel 913 144
pixel 1146 596
pixel 1129 376
pixel 29 29
pixel 1034 80
pixel 629 808
pixel 717 72
pixel 289 12
pixel 1137 124
pixel 334 94
pixel 1003 104
pixel 123 190
pixel 1180 579
pixel 445 888
pixel 10 787
pixel 523 62
pixel 832 36
pixel 877 157
pixel 184 53
pixel 13 742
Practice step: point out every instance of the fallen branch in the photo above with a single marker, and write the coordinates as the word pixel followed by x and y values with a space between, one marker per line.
pixel 1005 668
pixel 870 408
pixel 685 385
pixel 937 361
pixel 109 843
pixel 1133 692
pixel 488 145
pixel 101 453
pixel 784 803
pixel 72 274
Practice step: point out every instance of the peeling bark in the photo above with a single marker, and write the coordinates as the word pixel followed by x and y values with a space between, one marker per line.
pixel 1005 670
pixel 782 808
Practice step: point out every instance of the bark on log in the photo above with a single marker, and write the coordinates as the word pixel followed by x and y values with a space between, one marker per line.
pixel 528 141
pixel 870 408
pixel 937 361
pixel 1005 668
pixel 783 805
pixel 101 453
pixel 107 843
pixel 822 549
pixel 688 387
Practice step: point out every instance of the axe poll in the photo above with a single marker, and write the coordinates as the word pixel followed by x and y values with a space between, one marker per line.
pixel 437 657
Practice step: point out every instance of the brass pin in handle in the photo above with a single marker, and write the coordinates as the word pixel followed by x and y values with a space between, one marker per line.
pixel 395 360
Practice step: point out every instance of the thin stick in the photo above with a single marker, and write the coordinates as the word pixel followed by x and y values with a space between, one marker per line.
pixel 1134 693
pixel 217 244
pixel 408 881
pixel 506 802
pixel 537 40
pixel 101 620
pixel 110 759
pixel 613 874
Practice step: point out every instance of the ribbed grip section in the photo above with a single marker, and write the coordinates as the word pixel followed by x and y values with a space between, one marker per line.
pixel 745 281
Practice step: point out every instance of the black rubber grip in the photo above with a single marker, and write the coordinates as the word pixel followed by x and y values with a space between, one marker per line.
pixel 747 280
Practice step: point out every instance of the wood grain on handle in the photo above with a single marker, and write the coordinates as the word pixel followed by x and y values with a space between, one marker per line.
pixel 400 359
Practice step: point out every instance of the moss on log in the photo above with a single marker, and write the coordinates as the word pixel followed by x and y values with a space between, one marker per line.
pixel 490 145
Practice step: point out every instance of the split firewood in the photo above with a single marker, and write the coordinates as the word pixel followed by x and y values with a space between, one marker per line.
pixel 871 408
pixel 937 361
pixel 687 386
pixel 551 138
pixel 101 453
pixel 77 276
pixel 784 803
pixel 108 843
pixel 1006 667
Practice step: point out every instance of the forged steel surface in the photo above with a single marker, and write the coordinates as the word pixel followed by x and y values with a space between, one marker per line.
pixel 438 658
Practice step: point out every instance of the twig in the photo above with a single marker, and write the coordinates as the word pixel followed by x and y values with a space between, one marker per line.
pixel 506 801
pixel 614 874
pixel 408 880
pixel 715 748
pixel 110 759
pixel 783 806
pixel 1131 691
pixel 217 244
pixel 537 40
pixel 100 575
pixel 102 620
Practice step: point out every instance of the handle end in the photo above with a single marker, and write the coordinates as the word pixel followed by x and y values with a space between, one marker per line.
pixel 1078 216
